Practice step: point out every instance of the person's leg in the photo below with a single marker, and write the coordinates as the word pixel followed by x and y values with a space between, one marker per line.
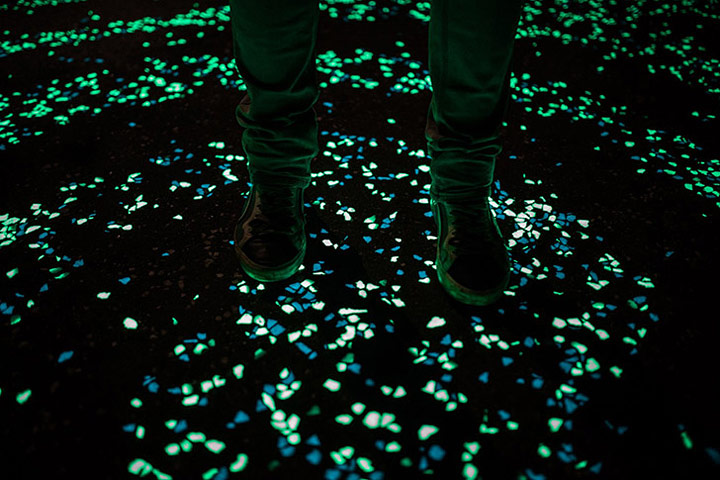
pixel 470 48
pixel 274 49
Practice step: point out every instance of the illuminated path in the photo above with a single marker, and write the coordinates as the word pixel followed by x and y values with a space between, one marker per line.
pixel 133 345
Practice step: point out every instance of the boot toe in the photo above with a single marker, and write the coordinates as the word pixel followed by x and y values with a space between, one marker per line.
pixel 270 250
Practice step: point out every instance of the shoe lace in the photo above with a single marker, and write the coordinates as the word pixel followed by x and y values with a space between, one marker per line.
pixel 278 212
pixel 473 226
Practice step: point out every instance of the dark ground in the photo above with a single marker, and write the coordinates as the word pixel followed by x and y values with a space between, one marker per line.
pixel 88 393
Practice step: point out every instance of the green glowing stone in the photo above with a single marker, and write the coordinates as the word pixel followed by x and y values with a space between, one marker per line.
pixel 332 385
pixel 472 447
pixel 470 472
pixel 172 449
pixel 630 341
pixel 365 464
pixel 103 295
pixel 12 273
pixel 23 396
pixel 559 323
pixel 136 402
pixel 347 452
pixel 686 440
pixel 592 365
pixel 567 388
pixel 429 387
pixel 215 446
pixel 555 423
pixel 489 430
pixel 602 334
pixel 239 464
pixel 293 421
pixel 372 419
pixel 218 381
pixel 386 419
pixel 436 322
pixel 392 447
pixel 426 431
pixel 130 323
pixel 544 451
pixel 574 322
pixel 337 458
pixel 358 408
pixel 268 401
pixel 210 474
pixel 139 467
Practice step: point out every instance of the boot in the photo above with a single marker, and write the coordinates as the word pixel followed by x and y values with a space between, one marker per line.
pixel 472 261
pixel 270 239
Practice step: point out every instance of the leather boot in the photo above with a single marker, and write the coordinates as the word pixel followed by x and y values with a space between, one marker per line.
pixel 270 236
pixel 472 261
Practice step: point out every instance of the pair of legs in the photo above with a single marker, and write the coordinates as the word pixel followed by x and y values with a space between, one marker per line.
pixel 470 43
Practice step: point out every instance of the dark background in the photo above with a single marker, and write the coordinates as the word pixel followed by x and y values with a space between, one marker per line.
pixel 72 424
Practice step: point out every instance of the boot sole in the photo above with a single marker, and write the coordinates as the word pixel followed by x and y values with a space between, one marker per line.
pixel 266 274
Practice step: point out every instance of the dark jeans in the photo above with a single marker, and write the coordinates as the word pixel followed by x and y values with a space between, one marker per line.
pixel 471 46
